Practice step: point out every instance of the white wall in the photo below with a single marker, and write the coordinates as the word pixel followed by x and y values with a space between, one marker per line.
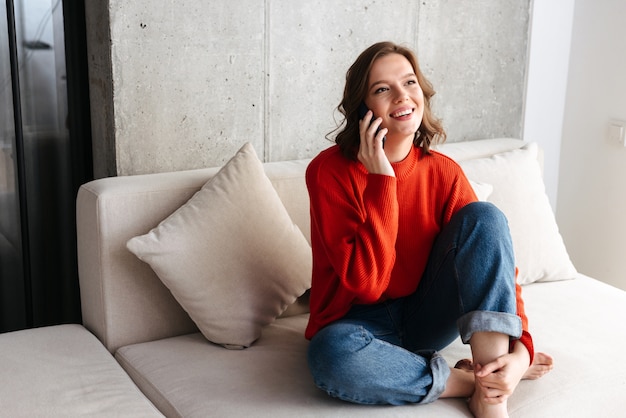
pixel 549 53
pixel 592 187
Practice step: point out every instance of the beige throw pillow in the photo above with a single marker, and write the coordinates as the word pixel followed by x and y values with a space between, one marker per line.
pixel 519 191
pixel 231 256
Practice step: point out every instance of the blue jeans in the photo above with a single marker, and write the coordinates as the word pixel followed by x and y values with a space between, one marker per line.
pixel 387 353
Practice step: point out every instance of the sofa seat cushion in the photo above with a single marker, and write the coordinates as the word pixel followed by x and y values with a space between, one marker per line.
pixel 187 376
pixel 64 371
pixel 581 323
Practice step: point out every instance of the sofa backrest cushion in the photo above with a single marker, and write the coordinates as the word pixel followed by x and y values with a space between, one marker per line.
pixel 123 301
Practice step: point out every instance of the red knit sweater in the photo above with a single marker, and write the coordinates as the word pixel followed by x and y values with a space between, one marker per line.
pixel 372 234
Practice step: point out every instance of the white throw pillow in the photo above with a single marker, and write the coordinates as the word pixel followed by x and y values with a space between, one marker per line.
pixel 231 256
pixel 519 191
pixel 482 190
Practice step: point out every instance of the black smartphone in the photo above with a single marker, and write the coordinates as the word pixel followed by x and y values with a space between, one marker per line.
pixel 362 112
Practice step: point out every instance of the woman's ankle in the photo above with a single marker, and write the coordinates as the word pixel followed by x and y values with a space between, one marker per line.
pixel 460 384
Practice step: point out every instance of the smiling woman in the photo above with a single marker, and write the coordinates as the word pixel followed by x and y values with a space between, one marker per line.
pixel 363 82
pixel 395 95
pixel 387 293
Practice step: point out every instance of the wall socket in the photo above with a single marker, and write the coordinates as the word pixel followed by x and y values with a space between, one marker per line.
pixel 617 131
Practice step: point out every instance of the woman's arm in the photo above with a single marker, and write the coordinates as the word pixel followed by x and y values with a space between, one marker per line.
pixel 354 225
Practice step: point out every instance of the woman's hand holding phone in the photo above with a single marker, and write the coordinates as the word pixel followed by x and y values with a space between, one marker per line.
pixel 371 150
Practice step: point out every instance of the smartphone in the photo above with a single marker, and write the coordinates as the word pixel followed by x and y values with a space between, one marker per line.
pixel 362 112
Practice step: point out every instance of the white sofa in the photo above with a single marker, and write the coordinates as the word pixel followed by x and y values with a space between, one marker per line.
pixel 579 321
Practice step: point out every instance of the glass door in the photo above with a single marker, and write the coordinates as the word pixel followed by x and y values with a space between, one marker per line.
pixel 12 284
pixel 47 168
pixel 44 156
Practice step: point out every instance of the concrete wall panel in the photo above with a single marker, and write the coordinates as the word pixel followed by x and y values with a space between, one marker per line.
pixel 188 82
pixel 475 55
pixel 101 88
pixel 311 47
pixel 183 84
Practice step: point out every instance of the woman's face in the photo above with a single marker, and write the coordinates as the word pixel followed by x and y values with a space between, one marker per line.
pixel 395 95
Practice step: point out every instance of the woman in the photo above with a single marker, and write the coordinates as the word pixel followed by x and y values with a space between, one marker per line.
pixel 405 258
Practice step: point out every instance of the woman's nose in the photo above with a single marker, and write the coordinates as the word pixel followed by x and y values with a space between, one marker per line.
pixel 401 97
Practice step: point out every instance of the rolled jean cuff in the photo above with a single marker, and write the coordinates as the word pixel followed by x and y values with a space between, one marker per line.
pixel 440 370
pixel 487 321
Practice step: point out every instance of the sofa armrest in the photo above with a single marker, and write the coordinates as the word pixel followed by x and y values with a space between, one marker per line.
pixel 123 301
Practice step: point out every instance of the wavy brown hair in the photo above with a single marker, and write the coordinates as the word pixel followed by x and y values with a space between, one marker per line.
pixel 430 131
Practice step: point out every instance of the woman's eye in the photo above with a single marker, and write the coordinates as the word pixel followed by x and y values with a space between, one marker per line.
pixel 380 90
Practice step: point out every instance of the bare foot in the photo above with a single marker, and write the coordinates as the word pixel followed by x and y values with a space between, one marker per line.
pixel 480 409
pixel 460 384
pixel 464 364
pixel 477 406
pixel 542 364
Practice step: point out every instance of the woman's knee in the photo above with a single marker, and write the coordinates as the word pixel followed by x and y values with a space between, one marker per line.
pixel 484 227
pixel 334 344
pixel 484 212
pixel 331 352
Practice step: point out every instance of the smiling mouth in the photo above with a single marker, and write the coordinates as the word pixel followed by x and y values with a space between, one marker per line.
pixel 401 113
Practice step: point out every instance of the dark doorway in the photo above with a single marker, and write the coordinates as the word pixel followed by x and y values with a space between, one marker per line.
pixel 45 154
